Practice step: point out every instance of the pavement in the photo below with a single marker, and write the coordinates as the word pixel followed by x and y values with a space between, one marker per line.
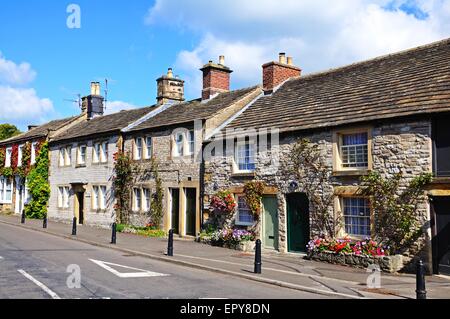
pixel 282 273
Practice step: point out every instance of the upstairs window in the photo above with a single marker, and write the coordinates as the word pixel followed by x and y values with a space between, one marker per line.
pixel 179 144
pixel 65 156
pixel 33 153
pixel 191 142
pixel 19 155
pixel 138 148
pixel 354 150
pixel 8 157
pixel 441 137
pixel 245 156
pixel 148 147
pixel 100 152
pixel 81 155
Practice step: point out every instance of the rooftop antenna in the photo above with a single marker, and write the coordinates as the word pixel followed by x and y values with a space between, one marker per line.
pixel 106 93
pixel 78 100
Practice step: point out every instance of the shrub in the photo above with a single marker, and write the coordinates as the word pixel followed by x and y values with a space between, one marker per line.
pixel 367 247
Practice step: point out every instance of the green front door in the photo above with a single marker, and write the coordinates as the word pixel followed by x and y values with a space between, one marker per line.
pixel 191 195
pixel 270 222
pixel 297 222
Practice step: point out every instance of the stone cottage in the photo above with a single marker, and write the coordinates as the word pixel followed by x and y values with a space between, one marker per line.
pixel 18 156
pixel 388 114
pixel 173 140
pixel 82 163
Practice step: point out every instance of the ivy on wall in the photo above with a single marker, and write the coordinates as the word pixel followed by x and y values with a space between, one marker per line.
pixel 38 185
pixel 156 205
pixel 123 183
pixel 253 192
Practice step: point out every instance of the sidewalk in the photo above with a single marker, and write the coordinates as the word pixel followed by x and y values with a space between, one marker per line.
pixel 285 270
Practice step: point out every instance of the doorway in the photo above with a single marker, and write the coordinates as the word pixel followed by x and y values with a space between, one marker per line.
pixel 175 209
pixel 441 235
pixel 298 229
pixel 20 195
pixel 270 222
pixel 79 214
pixel 191 196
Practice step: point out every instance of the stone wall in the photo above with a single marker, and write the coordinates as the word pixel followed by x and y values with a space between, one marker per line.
pixel 402 146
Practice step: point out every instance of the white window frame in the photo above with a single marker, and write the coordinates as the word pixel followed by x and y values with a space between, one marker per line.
pixel 68 156
pixel 179 147
pixel 190 141
pixel 237 218
pixel 8 157
pixel 20 155
pixel 104 152
pixel 80 159
pixel 63 197
pixel 33 153
pixel 252 147
pixel 96 153
pixel 95 197
pixel 137 199
pixel 148 147
pixel 146 199
pixel 138 148
pixel 102 197
pixel 4 189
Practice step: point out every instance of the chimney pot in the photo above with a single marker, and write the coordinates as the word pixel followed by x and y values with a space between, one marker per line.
pixel 170 73
pixel 282 58
pixel 222 60
pixel 289 60
pixel 95 88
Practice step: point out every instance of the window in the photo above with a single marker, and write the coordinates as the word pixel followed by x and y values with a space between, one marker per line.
pixel 146 197
pixel 33 153
pixel 5 190
pixel 191 142
pixel 245 156
pixel 138 148
pixel 8 157
pixel 441 139
pixel 81 155
pixel 356 216
pixel 244 215
pixel 98 197
pixel 100 152
pixel 179 141
pixel 19 155
pixel 65 156
pixel 354 150
pixel 137 202
pixel 96 153
pixel 148 147
pixel 63 197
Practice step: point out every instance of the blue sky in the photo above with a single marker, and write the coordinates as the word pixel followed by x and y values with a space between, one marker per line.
pixel 43 62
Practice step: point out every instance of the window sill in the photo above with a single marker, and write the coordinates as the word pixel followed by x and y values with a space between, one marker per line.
pixel 243 224
pixel 243 174
pixel 80 166
pixel 355 172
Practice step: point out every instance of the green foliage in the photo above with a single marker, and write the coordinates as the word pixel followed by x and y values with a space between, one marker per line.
pixel 156 205
pixel 395 207
pixel 39 186
pixel 7 131
pixel 308 165
pixel 253 192
pixel 123 182
pixel 142 231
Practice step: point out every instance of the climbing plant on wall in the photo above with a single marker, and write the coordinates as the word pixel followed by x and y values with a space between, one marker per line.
pixel 253 192
pixel 156 205
pixel 38 185
pixel 123 183
pixel 25 165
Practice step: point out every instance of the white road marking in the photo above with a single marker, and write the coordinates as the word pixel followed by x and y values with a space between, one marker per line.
pixel 139 274
pixel 40 284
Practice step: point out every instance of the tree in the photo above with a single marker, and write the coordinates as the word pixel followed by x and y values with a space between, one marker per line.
pixel 7 131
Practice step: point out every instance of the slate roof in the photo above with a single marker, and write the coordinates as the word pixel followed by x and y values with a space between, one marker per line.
pixel 39 132
pixel 415 81
pixel 105 124
pixel 193 110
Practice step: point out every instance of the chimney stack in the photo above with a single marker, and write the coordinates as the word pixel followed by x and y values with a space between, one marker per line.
pixel 170 88
pixel 216 78
pixel 92 104
pixel 275 73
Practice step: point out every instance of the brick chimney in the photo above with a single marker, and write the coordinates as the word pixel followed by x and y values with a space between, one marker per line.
pixel 92 105
pixel 170 88
pixel 275 73
pixel 216 78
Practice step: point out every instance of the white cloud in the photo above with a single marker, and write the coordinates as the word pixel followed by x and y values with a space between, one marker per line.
pixel 117 106
pixel 20 105
pixel 318 34
pixel 15 74
pixel 23 106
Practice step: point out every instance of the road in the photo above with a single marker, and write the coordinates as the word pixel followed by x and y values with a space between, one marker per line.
pixel 35 265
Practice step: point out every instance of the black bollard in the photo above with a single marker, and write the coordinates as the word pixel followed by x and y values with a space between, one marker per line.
pixel 23 217
pixel 44 223
pixel 74 227
pixel 114 235
pixel 420 281
pixel 170 244
pixel 258 262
